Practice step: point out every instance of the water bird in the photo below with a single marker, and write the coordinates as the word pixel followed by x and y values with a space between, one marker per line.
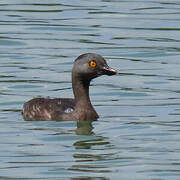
pixel 86 67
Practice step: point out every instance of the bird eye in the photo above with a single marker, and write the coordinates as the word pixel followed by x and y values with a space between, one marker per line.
pixel 92 64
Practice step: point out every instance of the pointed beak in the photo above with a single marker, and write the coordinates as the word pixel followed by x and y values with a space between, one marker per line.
pixel 108 71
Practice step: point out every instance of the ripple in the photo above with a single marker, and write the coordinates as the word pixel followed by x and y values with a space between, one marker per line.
pixel 11 43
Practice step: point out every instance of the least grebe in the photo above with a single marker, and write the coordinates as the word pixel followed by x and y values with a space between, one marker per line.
pixel 86 67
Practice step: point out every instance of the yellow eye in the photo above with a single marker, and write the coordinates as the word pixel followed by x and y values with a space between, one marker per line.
pixel 92 64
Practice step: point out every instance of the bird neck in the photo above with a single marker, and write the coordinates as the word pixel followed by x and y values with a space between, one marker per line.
pixel 83 108
pixel 81 90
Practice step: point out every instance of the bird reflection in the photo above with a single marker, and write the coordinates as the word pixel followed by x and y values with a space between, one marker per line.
pixel 84 128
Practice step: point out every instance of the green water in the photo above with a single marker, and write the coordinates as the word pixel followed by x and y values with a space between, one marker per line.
pixel 137 135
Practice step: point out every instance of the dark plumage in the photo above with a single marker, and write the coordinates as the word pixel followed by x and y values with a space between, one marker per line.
pixel 86 67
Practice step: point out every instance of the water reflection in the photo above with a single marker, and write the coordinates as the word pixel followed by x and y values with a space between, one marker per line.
pixel 90 178
pixel 98 143
pixel 89 143
pixel 84 128
pixel 88 147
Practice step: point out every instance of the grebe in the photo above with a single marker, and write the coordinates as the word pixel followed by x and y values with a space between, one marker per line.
pixel 86 67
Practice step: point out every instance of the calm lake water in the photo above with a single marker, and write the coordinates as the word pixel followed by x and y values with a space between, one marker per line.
pixel 137 136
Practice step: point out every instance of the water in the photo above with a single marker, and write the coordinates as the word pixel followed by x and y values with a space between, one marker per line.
pixel 137 136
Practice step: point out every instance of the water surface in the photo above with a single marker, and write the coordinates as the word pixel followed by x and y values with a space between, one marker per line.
pixel 137 135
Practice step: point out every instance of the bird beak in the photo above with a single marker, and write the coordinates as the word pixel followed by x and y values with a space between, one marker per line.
pixel 108 71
